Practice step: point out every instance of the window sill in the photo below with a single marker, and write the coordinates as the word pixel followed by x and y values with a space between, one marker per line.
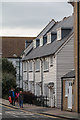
pixel 46 70
pixel 30 71
pixel 37 70
pixel 25 71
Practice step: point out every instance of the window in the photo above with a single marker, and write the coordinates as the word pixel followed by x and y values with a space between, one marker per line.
pixel 25 66
pixel 46 90
pixel 51 60
pixel 17 63
pixel 37 43
pixel 37 65
pixel 38 90
pixel 59 34
pixel 26 43
pixel 30 66
pixel 46 64
pixel 31 87
pixel 66 88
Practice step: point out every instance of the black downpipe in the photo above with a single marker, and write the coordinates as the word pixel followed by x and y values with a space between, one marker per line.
pixel 19 72
pixel 61 93
pixel 78 49
pixel 22 75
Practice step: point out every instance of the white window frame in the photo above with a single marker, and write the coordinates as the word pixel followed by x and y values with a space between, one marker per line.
pixel 37 65
pixel 30 66
pixel 46 63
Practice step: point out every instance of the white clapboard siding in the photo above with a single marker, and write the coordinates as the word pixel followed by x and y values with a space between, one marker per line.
pixel 51 75
pixel 65 63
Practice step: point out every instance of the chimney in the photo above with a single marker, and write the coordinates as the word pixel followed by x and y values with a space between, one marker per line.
pixel 76 5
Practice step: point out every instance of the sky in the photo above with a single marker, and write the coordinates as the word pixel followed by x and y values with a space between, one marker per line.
pixel 28 18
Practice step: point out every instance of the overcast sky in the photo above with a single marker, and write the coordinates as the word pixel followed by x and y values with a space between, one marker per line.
pixel 29 18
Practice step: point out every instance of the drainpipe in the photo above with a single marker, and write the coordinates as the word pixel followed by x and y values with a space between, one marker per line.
pixel 19 71
pixel 41 77
pixel 61 93
pixel 34 75
pixel 22 75
pixel 78 49
pixel 27 77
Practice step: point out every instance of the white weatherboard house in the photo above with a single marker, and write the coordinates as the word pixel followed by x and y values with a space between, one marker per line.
pixel 48 58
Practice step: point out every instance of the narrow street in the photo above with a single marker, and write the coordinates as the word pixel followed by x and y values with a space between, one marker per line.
pixel 9 113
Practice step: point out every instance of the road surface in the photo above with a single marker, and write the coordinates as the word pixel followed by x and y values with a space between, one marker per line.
pixel 9 113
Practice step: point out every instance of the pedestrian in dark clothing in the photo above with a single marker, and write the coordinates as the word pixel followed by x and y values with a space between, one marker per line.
pixel 21 99
pixel 13 96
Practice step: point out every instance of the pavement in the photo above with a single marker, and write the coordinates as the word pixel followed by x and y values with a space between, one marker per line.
pixel 45 110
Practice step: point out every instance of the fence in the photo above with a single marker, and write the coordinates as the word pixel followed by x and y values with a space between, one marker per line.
pixel 42 101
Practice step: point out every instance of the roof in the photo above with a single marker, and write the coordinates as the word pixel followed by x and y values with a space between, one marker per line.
pixel 14 45
pixel 49 49
pixel 67 22
pixel 47 28
pixel 70 74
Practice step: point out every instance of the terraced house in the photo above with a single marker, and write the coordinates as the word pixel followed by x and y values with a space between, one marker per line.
pixel 48 58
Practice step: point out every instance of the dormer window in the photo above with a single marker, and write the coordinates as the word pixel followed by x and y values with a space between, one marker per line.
pixel 44 40
pixel 63 32
pixel 51 36
pixel 41 41
pixel 27 43
pixel 34 43
pixel 37 42
pixel 59 34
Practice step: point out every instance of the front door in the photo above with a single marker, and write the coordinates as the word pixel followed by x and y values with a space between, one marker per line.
pixel 51 98
pixel 70 95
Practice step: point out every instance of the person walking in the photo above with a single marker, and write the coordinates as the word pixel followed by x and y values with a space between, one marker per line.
pixel 21 99
pixel 13 96
pixel 17 96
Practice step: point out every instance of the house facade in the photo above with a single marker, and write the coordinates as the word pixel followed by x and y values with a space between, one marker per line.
pixel 51 57
pixel 71 81
pixel 12 49
pixel 68 91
